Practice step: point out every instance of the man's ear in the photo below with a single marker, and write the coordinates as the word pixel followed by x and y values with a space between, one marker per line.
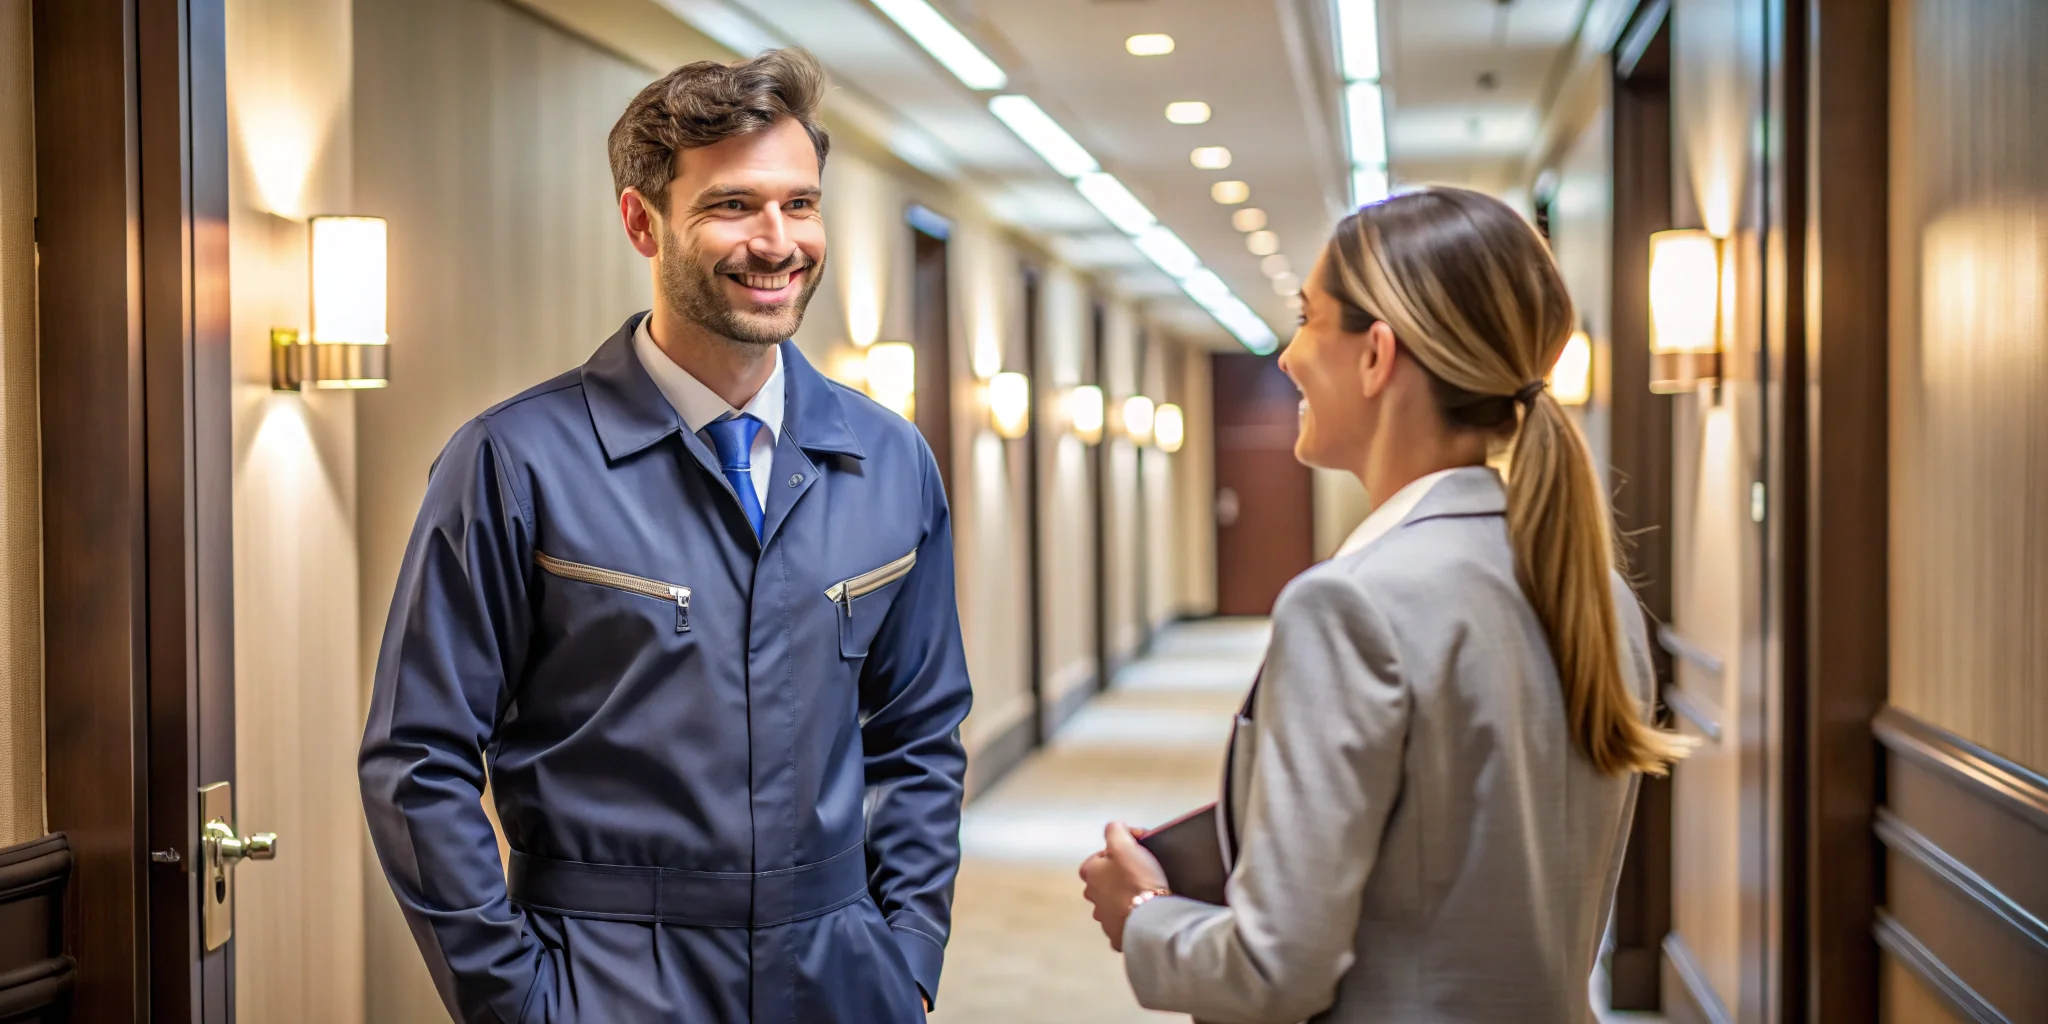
pixel 1376 358
pixel 642 224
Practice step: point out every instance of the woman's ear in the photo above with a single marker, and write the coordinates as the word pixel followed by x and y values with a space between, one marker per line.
pixel 1376 359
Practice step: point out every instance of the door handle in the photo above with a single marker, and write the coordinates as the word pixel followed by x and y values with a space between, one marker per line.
pixel 222 847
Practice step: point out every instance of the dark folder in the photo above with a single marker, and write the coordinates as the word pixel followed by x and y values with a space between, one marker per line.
pixel 1191 854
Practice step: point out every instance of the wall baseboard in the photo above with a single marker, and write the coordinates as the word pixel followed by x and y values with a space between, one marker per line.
pixel 1001 755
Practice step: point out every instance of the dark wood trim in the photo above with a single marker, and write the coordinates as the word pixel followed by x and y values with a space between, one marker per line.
pixel 1689 997
pixel 1098 472
pixel 1034 488
pixel 1846 415
pixel 89 297
pixel 1639 447
pixel 1908 950
pixel 2012 787
pixel 36 978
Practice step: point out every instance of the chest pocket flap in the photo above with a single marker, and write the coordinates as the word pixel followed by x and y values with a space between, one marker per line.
pixel 863 601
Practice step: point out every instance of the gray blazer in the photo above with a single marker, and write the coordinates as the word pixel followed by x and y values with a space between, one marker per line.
pixel 1420 840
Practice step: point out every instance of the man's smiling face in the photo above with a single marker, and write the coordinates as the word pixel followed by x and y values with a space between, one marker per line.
pixel 744 241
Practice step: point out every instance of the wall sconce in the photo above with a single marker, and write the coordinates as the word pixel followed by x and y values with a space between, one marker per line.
pixel 1009 405
pixel 892 376
pixel 1169 428
pixel 348 347
pixel 1138 412
pixel 1084 413
pixel 1685 310
pixel 1571 378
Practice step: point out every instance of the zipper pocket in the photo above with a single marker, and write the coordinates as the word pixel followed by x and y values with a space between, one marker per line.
pixel 844 593
pixel 631 584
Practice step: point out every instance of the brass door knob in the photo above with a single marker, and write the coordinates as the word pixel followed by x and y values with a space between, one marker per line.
pixel 232 847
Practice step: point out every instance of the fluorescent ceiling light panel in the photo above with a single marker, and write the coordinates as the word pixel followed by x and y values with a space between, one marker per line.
pixel 939 38
pixel 1044 135
pixel 1167 251
pixel 1245 325
pixel 1116 202
pixel 1358 39
pixel 1362 102
pixel 1207 289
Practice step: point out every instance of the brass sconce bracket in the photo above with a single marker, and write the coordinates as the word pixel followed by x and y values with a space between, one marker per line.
pixel 295 363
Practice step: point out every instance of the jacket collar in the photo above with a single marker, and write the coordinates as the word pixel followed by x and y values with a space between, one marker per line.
pixel 1474 491
pixel 630 414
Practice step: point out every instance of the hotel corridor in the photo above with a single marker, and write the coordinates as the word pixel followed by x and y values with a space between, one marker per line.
pixel 1024 948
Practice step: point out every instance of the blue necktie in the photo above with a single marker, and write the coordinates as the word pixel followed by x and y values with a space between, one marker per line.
pixel 734 439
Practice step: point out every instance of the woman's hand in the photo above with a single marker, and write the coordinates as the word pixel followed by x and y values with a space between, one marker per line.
pixel 1117 876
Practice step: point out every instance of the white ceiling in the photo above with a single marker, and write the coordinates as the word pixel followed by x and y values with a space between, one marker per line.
pixel 1266 67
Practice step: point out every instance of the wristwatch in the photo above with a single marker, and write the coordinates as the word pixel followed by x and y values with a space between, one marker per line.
pixel 1148 896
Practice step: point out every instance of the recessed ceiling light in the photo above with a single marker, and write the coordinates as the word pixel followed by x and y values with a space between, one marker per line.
pixel 1275 265
pixel 1188 112
pixel 1230 193
pixel 939 38
pixel 1210 158
pixel 1286 284
pixel 1251 218
pixel 1262 243
pixel 1151 44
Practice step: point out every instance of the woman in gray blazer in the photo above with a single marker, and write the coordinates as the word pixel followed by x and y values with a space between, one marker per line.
pixel 1429 800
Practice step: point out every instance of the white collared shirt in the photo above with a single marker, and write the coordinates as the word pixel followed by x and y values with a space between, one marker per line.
pixel 699 406
pixel 1389 513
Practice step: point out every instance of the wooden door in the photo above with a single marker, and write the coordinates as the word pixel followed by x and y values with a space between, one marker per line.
pixel 1265 508
pixel 931 325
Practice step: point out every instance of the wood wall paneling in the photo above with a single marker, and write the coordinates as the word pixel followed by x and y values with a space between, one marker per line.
pixel 1969 392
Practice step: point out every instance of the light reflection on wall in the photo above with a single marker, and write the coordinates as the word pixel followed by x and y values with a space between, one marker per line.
pixel 288 125
pixel 1984 296
pixel 860 217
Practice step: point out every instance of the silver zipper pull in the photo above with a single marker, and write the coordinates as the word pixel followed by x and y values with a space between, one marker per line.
pixel 682 597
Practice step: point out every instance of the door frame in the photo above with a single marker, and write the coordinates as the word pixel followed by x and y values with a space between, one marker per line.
pixel 131 159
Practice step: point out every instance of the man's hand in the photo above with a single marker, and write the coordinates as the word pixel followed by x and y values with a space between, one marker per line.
pixel 1118 876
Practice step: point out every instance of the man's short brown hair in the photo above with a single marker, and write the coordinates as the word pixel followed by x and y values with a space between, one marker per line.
pixel 699 104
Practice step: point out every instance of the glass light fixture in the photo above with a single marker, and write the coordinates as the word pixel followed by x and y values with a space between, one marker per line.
pixel 1685 310
pixel 1230 193
pixel 892 376
pixel 1251 218
pixel 1009 405
pixel 930 30
pixel 1210 158
pixel 1084 413
pixel 1149 44
pixel 1358 58
pixel 1138 413
pixel 1571 379
pixel 1188 112
pixel 1262 243
pixel 348 346
pixel 1169 428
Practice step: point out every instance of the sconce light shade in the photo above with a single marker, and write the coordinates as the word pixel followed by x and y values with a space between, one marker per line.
pixel 892 376
pixel 1138 412
pixel 1084 413
pixel 1009 405
pixel 348 343
pixel 1169 428
pixel 1571 379
pixel 1685 310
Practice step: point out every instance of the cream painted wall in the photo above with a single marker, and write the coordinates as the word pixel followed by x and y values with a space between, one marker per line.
pixel 21 579
pixel 1194 492
pixel 299 924
pixel 1066 500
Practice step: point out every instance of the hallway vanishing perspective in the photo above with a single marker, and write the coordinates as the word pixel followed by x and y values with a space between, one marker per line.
pixel 1024 949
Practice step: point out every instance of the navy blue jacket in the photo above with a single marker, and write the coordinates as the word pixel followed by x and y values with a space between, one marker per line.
pixel 729 770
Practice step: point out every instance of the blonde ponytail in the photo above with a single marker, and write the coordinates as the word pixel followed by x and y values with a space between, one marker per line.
pixel 1472 293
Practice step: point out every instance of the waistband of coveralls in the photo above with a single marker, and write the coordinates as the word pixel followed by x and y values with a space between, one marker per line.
pixel 696 899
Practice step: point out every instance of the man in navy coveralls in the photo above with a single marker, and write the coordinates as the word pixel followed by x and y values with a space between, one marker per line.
pixel 690 609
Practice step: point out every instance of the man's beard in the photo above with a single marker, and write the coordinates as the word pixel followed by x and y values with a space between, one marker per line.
pixel 699 295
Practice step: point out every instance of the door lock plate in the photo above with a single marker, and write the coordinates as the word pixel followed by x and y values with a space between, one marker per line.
pixel 217 874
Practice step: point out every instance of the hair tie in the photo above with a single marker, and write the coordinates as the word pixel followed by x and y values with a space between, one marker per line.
pixel 1530 390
